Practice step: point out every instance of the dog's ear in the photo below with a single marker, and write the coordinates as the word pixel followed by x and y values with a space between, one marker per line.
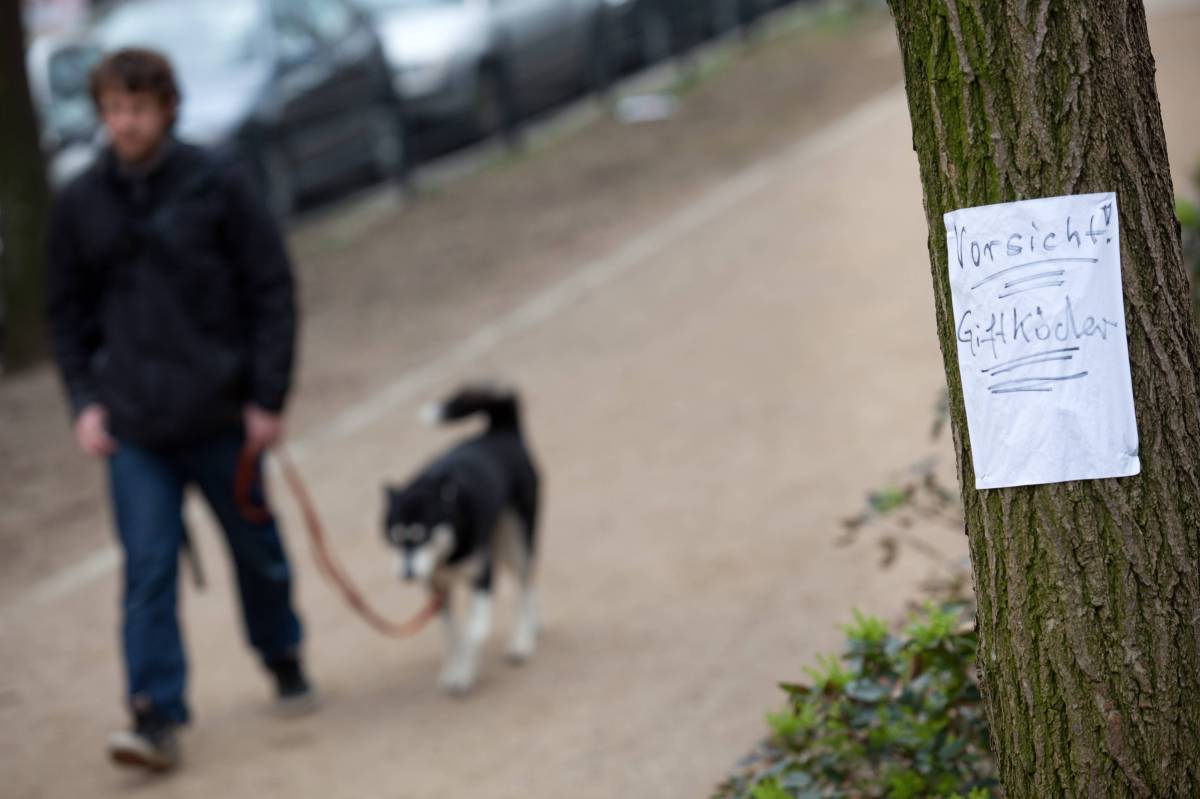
pixel 392 495
pixel 449 491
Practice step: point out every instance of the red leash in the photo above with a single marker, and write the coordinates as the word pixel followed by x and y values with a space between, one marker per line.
pixel 244 482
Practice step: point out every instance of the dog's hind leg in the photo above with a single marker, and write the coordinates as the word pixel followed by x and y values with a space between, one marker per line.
pixel 523 642
pixel 519 555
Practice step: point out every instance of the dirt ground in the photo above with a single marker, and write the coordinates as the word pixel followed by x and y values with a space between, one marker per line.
pixel 715 372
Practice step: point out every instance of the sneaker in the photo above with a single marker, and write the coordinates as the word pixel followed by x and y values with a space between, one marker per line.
pixel 151 744
pixel 294 694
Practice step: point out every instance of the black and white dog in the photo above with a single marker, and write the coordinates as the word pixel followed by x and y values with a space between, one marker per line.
pixel 468 512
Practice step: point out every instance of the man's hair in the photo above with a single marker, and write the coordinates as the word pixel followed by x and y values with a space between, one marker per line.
pixel 135 69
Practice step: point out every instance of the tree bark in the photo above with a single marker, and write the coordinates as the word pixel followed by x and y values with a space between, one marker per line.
pixel 24 200
pixel 1089 592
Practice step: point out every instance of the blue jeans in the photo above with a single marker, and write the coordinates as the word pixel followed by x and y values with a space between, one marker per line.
pixel 147 493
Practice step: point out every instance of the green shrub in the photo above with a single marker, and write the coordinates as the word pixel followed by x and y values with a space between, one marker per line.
pixel 1189 222
pixel 895 716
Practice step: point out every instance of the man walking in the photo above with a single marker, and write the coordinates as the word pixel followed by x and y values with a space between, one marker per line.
pixel 171 303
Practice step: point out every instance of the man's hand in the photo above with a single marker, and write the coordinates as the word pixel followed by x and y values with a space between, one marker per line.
pixel 91 432
pixel 264 429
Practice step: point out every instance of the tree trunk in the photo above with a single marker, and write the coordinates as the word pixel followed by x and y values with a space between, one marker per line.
pixel 1089 592
pixel 23 204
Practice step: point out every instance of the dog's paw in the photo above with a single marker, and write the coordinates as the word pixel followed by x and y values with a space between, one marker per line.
pixel 522 646
pixel 457 679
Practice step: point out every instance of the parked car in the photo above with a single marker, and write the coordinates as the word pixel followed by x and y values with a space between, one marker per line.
pixel 639 32
pixel 487 61
pixel 551 47
pixel 443 59
pixel 299 88
pixel 57 67
pixel 646 31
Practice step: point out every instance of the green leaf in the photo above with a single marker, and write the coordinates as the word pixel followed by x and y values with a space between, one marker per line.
pixel 900 717
pixel 904 784
pixel 1187 213
pixel 785 724
pixel 867 629
pixel 795 779
pixel 769 789
pixel 868 691
pixel 888 499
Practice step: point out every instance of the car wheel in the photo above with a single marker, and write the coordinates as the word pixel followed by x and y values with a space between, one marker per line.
pixel 725 15
pixel 597 71
pixel 278 182
pixel 488 111
pixel 385 127
pixel 653 38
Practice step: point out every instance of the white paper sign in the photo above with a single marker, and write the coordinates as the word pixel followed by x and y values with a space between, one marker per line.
pixel 1042 343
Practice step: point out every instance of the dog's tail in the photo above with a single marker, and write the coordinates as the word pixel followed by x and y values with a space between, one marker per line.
pixel 501 406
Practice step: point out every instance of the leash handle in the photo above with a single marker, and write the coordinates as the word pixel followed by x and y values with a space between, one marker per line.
pixel 245 479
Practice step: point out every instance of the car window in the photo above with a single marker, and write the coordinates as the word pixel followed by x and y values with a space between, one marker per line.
pixel 331 19
pixel 68 107
pixel 196 34
pixel 389 5
pixel 67 71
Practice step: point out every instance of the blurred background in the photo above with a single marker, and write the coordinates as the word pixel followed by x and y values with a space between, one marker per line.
pixel 311 92
pixel 691 233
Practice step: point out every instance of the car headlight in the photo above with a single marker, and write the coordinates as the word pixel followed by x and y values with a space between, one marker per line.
pixel 417 80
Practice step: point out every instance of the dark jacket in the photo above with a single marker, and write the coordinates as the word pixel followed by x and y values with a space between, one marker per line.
pixel 171 297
